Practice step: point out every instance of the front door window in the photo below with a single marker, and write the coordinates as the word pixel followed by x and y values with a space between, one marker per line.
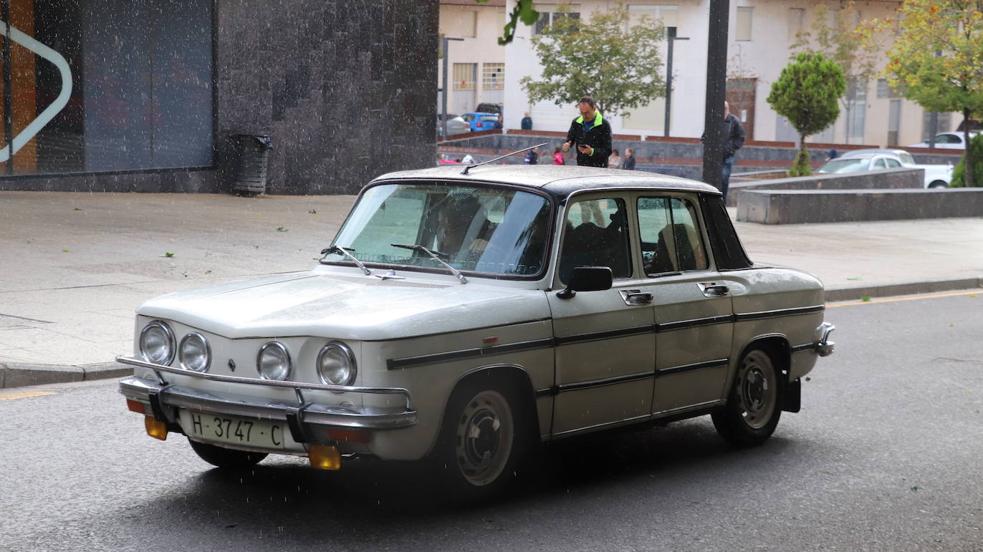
pixel 596 235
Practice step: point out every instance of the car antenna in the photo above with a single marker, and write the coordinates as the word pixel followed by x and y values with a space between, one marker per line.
pixel 473 165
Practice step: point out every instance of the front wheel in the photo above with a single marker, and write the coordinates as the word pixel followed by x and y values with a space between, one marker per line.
pixel 938 184
pixel 755 402
pixel 480 445
pixel 226 458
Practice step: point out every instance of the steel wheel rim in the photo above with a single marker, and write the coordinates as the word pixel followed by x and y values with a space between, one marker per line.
pixel 484 436
pixel 757 389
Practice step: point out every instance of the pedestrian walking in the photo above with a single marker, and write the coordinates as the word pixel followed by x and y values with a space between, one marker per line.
pixel 590 134
pixel 614 160
pixel 558 158
pixel 628 163
pixel 526 123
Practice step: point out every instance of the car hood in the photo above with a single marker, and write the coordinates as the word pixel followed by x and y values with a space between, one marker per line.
pixel 347 307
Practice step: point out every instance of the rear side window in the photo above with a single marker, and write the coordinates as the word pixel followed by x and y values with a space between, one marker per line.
pixel 670 234
pixel 727 249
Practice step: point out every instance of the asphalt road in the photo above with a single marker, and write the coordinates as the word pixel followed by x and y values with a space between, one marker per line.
pixel 887 454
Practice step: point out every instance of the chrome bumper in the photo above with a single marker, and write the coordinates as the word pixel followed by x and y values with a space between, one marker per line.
pixel 301 417
pixel 824 346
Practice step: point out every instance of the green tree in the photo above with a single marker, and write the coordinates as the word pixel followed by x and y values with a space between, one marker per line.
pixel 617 63
pixel 959 173
pixel 806 93
pixel 937 60
pixel 841 36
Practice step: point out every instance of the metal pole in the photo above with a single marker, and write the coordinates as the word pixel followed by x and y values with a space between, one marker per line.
pixel 445 42
pixel 713 147
pixel 8 116
pixel 671 37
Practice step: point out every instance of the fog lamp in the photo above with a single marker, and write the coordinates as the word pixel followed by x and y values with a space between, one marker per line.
pixel 155 428
pixel 324 457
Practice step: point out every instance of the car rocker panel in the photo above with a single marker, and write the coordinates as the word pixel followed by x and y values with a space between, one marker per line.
pixel 393 354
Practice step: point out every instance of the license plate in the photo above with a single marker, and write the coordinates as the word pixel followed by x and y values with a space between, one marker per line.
pixel 232 430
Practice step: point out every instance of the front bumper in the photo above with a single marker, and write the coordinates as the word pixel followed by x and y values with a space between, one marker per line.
pixel 309 422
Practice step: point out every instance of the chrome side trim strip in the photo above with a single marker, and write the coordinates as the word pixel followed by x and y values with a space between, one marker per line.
pixel 741 317
pixel 682 409
pixel 397 363
pixel 603 382
pixel 604 425
pixel 695 366
pixel 684 324
pixel 609 334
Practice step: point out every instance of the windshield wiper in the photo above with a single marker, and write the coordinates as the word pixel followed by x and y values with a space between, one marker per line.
pixel 345 252
pixel 435 255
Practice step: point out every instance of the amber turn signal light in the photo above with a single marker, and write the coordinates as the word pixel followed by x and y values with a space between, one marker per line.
pixel 324 457
pixel 155 428
pixel 135 406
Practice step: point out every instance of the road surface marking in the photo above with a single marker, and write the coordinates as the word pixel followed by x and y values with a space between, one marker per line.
pixel 900 298
pixel 14 395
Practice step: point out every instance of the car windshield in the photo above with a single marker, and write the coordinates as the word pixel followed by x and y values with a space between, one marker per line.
pixel 844 166
pixel 483 230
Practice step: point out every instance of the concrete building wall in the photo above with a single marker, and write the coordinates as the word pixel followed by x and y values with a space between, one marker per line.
pixel 761 55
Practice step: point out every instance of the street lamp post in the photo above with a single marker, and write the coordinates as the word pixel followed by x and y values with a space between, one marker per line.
pixel 670 37
pixel 445 46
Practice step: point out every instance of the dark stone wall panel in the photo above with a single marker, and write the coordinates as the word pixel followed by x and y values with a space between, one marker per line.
pixel 345 88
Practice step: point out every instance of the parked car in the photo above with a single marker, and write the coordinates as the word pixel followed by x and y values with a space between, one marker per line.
pixel 947 140
pixel 455 125
pixel 480 121
pixel 936 176
pixel 489 108
pixel 467 316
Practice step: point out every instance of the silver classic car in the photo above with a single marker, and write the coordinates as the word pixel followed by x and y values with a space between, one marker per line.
pixel 466 317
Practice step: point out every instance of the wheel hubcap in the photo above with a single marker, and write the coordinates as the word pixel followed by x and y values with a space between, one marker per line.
pixel 484 438
pixel 757 389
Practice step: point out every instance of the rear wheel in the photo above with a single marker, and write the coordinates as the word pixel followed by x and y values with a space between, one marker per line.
pixel 938 184
pixel 754 405
pixel 226 458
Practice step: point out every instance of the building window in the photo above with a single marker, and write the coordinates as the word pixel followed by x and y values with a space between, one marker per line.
pixel 107 86
pixel 796 23
pixel 744 17
pixel 464 75
pixel 884 90
pixel 668 15
pixel 945 124
pixel 857 116
pixel 547 17
pixel 493 76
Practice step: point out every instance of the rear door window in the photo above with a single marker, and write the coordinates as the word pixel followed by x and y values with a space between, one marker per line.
pixel 670 235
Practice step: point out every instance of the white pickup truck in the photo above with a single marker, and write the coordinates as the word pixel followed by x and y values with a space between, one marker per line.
pixel 936 176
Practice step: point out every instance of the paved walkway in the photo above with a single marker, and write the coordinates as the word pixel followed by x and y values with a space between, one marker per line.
pixel 73 267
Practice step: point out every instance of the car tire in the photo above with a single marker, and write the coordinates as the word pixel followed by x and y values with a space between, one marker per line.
pixel 226 458
pixel 937 185
pixel 483 440
pixel 754 404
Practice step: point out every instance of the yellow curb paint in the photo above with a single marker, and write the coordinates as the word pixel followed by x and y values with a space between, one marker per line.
pixel 15 395
pixel 900 298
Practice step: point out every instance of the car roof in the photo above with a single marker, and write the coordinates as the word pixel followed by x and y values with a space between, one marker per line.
pixel 874 151
pixel 557 180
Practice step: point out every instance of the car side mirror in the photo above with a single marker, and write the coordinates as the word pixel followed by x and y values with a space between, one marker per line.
pixel 587 278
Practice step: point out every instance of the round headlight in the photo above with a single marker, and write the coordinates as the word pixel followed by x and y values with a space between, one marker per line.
pixel 273 362
pixel 336 364
pixel 157 343
pixel 194 353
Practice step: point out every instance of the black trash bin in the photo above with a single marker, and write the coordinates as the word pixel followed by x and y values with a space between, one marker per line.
pixel 254 158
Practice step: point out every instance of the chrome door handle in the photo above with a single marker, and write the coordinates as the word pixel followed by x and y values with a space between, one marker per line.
pixel 713 289
pixel 636 297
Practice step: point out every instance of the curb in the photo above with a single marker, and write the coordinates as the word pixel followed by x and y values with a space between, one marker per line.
pixel 914 288
pixel 20 375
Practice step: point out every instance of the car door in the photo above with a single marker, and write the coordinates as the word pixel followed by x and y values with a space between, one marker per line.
pixel 605 348
pixel 692 306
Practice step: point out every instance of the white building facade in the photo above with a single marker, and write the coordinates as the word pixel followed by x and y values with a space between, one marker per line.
pixel 476 63
pixel 761 36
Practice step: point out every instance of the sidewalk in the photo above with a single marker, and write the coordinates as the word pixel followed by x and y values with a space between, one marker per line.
pixel 73 267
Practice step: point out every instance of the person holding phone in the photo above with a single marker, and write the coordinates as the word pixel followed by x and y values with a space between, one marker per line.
pixel 590 134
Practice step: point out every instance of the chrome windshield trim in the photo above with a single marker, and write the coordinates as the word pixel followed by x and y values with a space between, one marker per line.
pixel 157 368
